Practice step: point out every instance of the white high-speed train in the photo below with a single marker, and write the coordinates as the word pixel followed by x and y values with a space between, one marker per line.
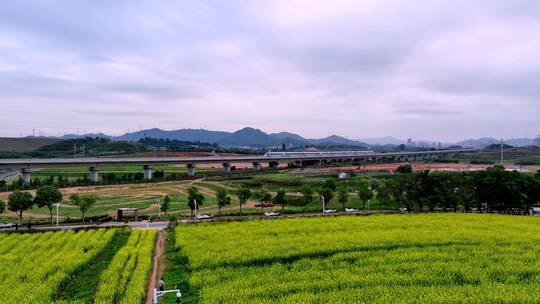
pixel 318 153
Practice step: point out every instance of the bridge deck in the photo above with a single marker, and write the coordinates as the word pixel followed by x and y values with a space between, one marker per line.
pixel 51 162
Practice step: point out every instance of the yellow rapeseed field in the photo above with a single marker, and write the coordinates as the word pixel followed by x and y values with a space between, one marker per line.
pixel 427 258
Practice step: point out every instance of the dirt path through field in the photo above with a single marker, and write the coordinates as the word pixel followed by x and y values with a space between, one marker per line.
pixel 157 267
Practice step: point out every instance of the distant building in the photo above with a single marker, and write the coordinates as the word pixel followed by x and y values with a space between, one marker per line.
pixel 536 141
pixel 409 142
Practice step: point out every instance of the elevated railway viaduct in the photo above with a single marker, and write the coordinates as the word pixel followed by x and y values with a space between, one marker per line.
pixel 27 165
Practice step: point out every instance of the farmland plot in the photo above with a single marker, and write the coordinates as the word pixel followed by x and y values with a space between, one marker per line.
pixel 32 266
pixel 40 267
pixel 432 258
pixel 124 281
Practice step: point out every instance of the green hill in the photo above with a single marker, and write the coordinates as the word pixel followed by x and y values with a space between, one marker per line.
pixel 27 144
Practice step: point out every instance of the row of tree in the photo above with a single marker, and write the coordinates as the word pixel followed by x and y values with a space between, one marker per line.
pixel 491 190
pixel 64 182
pixel 46 196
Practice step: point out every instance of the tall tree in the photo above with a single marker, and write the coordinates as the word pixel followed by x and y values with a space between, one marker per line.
pixel 422 190
pixel 497 188
pixel 243 195
pixel 166 204
pixel 466 192
pixel 307 195
pixel 364 192
pixel 343 195
pixel 19 201
pixel 327 194
pixel 263 197
pixel 48 196
pixel 330 184
pixel 83 202
pixel 194 196
pixel 404 169
pixel 223 199
pixel 384 195
pixel 280 199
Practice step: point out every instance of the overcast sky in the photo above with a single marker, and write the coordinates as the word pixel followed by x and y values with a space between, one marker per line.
pixel 441 70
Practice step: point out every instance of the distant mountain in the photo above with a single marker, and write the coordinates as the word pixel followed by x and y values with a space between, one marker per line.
pixel 255 138
pixel 182 134
pixel 477 143
pixel 335 140
pixel 246 137
pixel 284 135
pixel 519 142
pixel 75 136
pixel 487 141
pixel 387 140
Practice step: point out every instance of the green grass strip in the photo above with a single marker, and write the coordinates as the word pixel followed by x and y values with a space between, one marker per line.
pixel 82 287
pixel 176 272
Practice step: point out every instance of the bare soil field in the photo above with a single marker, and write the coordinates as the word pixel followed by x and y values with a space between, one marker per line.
pixel 426 166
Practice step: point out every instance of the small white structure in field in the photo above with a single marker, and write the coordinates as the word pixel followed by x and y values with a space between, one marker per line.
pixel 342 175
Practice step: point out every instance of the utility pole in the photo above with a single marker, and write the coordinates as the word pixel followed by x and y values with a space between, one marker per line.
pixel 502 151
pixel 83 151
pixel 57 206
pixel 196 209
pixel 74 151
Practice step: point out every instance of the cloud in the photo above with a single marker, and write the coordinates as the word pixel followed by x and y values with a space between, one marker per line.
pixel 436 69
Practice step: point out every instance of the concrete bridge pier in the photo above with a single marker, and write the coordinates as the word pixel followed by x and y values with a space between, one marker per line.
pixel 227 167
pixel 147 172
pixel 191 170
pixel 94 174
pixel 26 176
pixel 256 166
pixel 273 164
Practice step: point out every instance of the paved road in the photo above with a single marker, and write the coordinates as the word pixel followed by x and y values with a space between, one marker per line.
pixel 141 225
